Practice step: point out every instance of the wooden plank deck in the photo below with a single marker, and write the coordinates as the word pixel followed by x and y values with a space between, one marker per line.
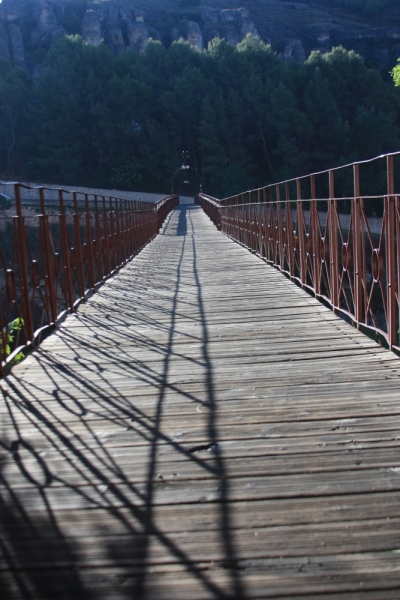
pixel 201 429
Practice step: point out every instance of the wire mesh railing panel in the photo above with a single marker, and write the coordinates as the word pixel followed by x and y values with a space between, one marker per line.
pixel 58 247
pixel 335 233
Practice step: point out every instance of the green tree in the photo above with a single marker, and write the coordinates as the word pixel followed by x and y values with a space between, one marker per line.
pixel 14 98
pixel 396 74
pixel 369 7
pixel 326 143
pixel 294 132
pixel 245 117
pixel 57 116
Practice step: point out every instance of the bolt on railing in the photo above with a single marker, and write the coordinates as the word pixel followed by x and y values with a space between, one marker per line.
pixel 336 233
pixel 56 249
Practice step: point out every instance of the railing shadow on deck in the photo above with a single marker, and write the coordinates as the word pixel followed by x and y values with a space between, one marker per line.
pixel 40 559
pixel 56 248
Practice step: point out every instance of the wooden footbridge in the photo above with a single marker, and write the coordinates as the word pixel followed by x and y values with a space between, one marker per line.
pixel 201 427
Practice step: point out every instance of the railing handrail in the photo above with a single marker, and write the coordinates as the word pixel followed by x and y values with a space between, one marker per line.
pixel 89 192
pixel 66 256
pixel 341 256
pixel 300 178
pixel 210 199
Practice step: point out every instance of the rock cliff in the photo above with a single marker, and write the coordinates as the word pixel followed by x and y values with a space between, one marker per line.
pixel 294 28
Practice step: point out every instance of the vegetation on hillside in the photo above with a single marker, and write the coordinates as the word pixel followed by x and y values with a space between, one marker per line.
pixel 396 74
pixel 245 117
pixel 369 7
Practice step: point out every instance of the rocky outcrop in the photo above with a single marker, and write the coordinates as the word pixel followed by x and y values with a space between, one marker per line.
pixel 294 50
pixel 211 28
pixel 4 49
pixel 91 28
pixel 317 37
pixel 12 11
pixel 44 15
pixel 379 46
pixel 138 32
pixel 210 33
pixel 231 35
pixel 115 40
pixel 211 16
pixel 234 14
pixel 247 26
pixel 194 35
pixel 17 45
pixel 236 24
pixel 113 32
pixel 154 34
pixel 175 35
pixel 47 29
pixel 113 16
pixel 295 28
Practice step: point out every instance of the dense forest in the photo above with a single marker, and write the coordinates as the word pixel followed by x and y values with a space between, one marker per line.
pixel 244 117
pixel 369 7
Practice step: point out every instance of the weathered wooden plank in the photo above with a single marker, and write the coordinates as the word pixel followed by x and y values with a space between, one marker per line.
pixel 201 428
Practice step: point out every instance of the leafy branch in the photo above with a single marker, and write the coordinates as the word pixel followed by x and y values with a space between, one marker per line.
pixel 9 332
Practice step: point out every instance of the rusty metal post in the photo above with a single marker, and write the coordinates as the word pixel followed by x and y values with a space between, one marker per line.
pixel 112 233
pixel 123 231
pixel 259 223
pixel 290 233
pixel 275 225
pixel 99 250
pixel 264 222
pixel 390 255
pixel 118 234
pixel 78 248
pixel 134 228
pixel 48 266
pixel 316 246
pixel 357 244
pixel 128 217
pixel 247 209
pixel 397 212
pixel 280 232
pixel 237 224
pixel 268 221
pixel 89 244
pixel 3 339
pixel 106 238
pixel 66 252
pixel 301 235
pixel 333 243
pixel 23 268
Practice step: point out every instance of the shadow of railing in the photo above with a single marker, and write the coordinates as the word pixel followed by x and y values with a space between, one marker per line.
pixel 75 517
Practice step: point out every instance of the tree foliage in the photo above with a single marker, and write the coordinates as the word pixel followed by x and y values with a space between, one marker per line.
pixel 369 7
pixel 396 74
pixel 245 117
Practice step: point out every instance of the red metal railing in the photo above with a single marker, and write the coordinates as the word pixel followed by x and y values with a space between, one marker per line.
pixel 343 247
pixel 56 247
